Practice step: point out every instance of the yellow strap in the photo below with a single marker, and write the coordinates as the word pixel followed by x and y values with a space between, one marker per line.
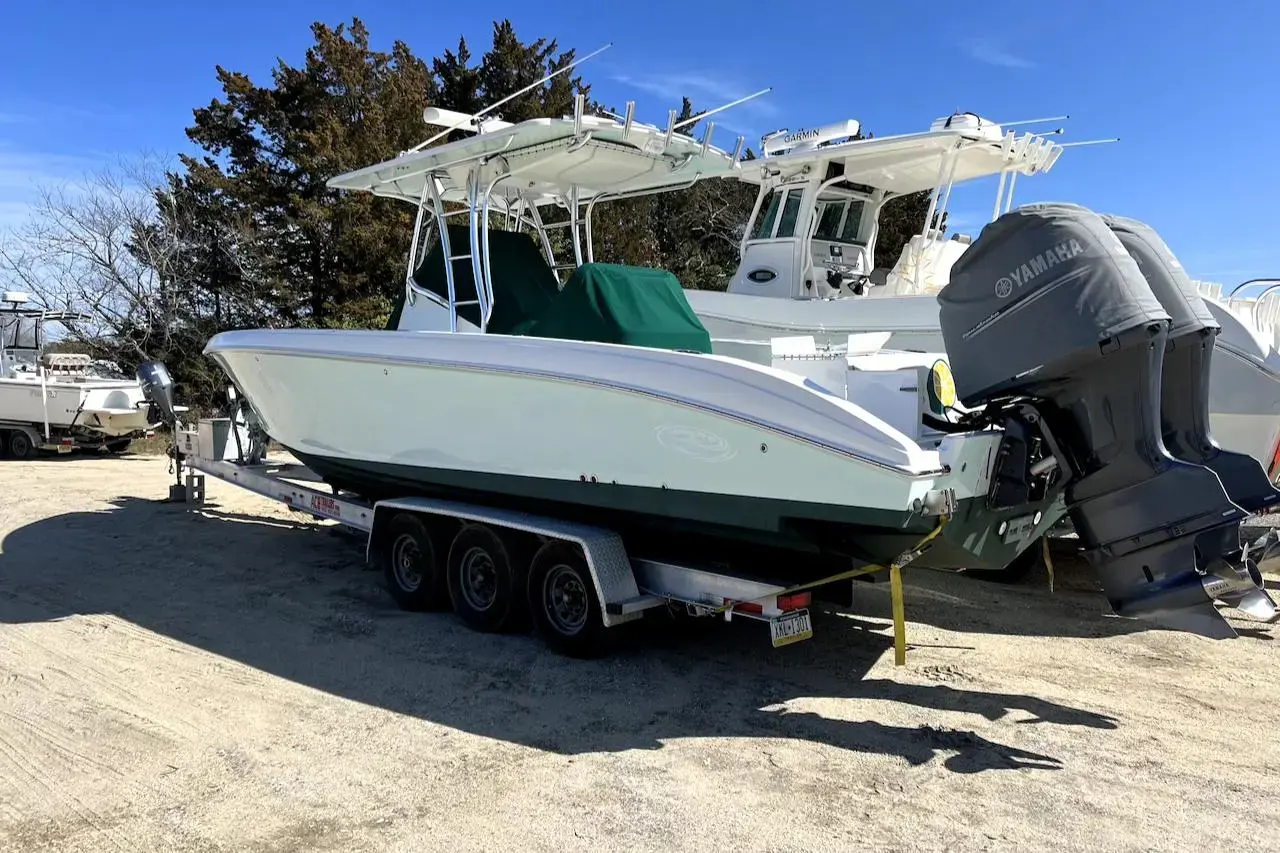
pixel 899 617
pixel 1048 560
pixel 895 589
pixel 871 568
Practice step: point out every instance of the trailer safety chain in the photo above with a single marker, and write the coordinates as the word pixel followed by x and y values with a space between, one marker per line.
pixel 895 589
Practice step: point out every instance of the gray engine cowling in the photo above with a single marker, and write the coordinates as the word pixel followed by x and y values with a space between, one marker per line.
pixel 1184 376
pixel 1048 314
pixel 157 388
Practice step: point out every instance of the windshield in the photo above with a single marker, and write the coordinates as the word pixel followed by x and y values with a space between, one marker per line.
pixel 763 228
pixel 18 332
pixel 839 220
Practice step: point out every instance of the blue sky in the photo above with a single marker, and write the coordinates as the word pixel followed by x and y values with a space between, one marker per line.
pixel 1191 89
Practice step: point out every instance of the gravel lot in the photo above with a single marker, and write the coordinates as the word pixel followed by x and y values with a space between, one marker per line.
pixel 233 679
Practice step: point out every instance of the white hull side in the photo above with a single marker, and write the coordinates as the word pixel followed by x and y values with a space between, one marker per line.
pixel 566 410
pixel 109 408
pixel 1244 380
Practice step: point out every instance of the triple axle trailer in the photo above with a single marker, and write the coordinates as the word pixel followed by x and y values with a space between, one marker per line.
pixel 501 570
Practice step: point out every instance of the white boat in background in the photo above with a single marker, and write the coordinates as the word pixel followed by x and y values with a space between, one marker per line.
pixel 808 264
pixel 54 401
pixel 1245 391
pixel 598 400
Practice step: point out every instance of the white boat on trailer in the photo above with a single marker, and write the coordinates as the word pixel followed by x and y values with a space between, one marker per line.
pixel 808 264
pixel 575 450
pixel 53 401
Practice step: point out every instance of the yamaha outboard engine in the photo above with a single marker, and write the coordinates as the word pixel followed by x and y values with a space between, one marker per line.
pixel 1048 315
pixel 1184 383
pixel 157 387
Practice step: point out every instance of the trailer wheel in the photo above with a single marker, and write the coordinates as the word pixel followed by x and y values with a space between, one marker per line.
pixel 410 564
pixel 118 446
pixel 20 446
pixel 563 601
pixel 486 579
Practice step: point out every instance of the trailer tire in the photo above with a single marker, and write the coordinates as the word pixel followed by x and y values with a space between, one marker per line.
pixel 486 575
pixel 411 565
pixel 119 446
pixel 20 446
pixel 563 601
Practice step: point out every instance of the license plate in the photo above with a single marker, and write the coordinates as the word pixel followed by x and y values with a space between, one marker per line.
pixel 1019 528
pixel 791 628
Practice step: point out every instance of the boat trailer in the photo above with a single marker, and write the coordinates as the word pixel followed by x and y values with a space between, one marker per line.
pixel 486 563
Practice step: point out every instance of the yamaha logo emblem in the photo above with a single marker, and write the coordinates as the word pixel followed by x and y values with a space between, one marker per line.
pixel 1004 287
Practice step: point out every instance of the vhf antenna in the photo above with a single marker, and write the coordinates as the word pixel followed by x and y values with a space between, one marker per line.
pixel 476 117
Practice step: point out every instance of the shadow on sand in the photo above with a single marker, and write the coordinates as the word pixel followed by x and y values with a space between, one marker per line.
pixel 293 601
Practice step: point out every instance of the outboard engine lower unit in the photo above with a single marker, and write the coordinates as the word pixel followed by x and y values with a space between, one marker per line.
pixel 1047 314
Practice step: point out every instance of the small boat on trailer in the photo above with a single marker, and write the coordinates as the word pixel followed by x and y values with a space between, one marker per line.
pixel 57 401
pixel 574 451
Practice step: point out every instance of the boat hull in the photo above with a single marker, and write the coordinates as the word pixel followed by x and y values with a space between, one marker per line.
pixel 111 409
pixel 608 434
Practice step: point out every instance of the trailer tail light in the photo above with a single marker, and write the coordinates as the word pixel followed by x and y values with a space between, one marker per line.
pixel 795 601
pixel 749 607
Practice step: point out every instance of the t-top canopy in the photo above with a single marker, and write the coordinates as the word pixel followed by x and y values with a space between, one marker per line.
pixel 918 161
pixel 544 159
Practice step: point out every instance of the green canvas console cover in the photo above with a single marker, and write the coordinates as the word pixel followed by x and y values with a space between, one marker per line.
pixel 614 303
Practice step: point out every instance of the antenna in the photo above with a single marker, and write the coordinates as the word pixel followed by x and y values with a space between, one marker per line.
pixel 1032 121
pixel 721 108
pixel 1088 142
pixel 515 94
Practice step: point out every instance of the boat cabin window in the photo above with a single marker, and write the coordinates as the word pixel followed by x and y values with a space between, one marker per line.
pixel 790 212
pixel 839 220
pixel 786 224
pixel 829 216
pixel 768 213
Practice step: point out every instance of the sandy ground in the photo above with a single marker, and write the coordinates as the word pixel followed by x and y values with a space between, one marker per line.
pixel 233 679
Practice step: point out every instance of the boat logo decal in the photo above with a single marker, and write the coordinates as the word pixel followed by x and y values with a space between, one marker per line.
pixel 800 136
pixel 695 443
pixel 1024 273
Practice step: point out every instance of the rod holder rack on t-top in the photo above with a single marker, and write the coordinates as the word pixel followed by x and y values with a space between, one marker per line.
pixel 451 120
